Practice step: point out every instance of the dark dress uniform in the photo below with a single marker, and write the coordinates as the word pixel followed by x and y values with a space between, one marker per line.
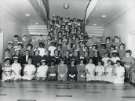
pixel 52 73
pixel 81 72
pixel 36 60
pixel 72 73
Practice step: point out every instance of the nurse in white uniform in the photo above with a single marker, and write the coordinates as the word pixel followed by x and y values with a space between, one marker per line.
pixel 109 72
pixel 99 72
pixel 119 73
pixel 16 69
pixel 42 71
pixel 90 71
pixel 29 70
pixel 7 71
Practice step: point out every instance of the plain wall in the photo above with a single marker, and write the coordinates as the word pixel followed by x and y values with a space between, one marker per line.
pixel 124 26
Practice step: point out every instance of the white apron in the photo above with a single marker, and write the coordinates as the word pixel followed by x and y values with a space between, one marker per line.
pixel 90 68
pixel 16 68
pixel 99 76
pixel 42 71
pixel 29 71
pixel 7 73
pixel 119 75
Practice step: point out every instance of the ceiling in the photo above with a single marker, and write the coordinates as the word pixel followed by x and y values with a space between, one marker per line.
pixel 104 12
pixel 22 10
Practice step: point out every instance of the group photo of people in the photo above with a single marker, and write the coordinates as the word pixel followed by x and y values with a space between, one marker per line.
pixel 67 54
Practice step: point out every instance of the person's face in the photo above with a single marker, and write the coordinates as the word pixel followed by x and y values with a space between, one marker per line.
pixel 29 48
pixel 73 63
pixel 81 62
pixel 27 53
pixel 128 54
pixel 121 47
pixel 6 53
pixel 56 53
pixel 62 62
pixel 7 62
pixel 106 55
pixel 15 38
pixel 107 40
pixel 116 40
pixel 90 61
pixel 24 38
pixel 99 63
pixel 19 47
pixel 118 64
pixel 67 53
pixel 75 53
pixel 36 53
pixel 43 63
pixel 10 46
pixel 109 62
pixel 17 52
pixel 15 61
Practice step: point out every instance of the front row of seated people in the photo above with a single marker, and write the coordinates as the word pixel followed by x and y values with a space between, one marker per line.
pixel 64 72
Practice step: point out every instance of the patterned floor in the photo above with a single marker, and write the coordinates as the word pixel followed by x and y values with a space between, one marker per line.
pixel 56 91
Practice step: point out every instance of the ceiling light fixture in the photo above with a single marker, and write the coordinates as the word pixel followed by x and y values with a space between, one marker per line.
pixel 36 23
pixel 27 14
pixel 104 16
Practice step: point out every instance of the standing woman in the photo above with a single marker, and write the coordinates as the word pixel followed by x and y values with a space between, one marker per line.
pixel 29 70
pixel 62 71
pixel 81 71
pixel 90 70
pixel 128 61
pixel 72 71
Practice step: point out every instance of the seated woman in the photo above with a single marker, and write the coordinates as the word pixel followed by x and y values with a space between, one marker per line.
pixel 62 71
pixel 99 71
pixel 109 71
pixel 29 70
pixel 72 71
pixel 41 73
pixel 81 71
pixel 16 69
pixel 7 70
pixel 90 70
pixel 119 71
pixel 52 72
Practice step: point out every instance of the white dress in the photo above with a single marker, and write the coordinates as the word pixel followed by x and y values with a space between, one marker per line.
pixel 109 74
pixel 119 75
pixel 7 73
pixel 29 71
pixel 52 49
pixel 16 68
pixel 105 60
pixel 41 51
pixel 99 70
pixel 42 71
pixel 90 74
